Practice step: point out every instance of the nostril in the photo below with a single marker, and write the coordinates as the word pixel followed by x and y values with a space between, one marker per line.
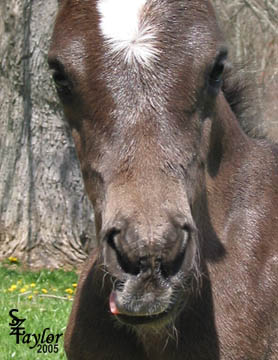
pixel 169 269
pixel 111 236
pixel 115 242
pixel 187 229
pixel 171 265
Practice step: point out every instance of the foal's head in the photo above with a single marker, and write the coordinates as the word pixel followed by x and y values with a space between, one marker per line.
pixel 137 80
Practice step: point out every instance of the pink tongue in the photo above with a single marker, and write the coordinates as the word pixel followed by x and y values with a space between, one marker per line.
pixel 112 304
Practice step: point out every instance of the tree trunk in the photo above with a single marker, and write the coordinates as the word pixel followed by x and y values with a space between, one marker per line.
pixel 251 27
pixel 45 216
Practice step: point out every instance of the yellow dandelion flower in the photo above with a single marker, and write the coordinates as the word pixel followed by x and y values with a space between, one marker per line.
pixel 32 285
pixel 69 291
pixel 30 297
pixel 22 290
pixel 36 292
pixel 74 285
pixel 44 291
pixel 69 297
pixel 19 282
pixel 12 259
pixel 12 288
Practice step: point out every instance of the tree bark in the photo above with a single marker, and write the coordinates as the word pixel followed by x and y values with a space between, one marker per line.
pixel 45 216
pixel 251 28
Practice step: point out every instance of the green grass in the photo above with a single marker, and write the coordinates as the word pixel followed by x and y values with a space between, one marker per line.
pixel 45 304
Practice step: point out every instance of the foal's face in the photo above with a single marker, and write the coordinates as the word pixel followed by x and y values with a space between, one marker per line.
pixel 137 80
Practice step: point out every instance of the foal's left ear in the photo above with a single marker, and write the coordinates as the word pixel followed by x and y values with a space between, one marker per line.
pixel 205 142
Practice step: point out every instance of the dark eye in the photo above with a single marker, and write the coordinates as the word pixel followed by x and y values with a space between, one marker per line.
pixel 215 77
pixel 60 77
pixel 216 73
pixel 62 83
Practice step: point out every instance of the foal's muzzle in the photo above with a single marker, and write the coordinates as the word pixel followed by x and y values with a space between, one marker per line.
pixel 148 276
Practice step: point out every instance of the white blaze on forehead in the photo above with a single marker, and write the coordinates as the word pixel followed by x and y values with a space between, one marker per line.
pixel 125 30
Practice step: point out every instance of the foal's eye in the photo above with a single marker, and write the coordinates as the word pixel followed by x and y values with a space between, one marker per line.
pixel 62 83
pixel 216 73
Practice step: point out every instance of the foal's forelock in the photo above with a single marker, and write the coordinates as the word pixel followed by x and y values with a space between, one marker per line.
pixel 127 30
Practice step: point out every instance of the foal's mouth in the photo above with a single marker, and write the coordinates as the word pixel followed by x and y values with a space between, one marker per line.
pixel 135 320
pixel 153 318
